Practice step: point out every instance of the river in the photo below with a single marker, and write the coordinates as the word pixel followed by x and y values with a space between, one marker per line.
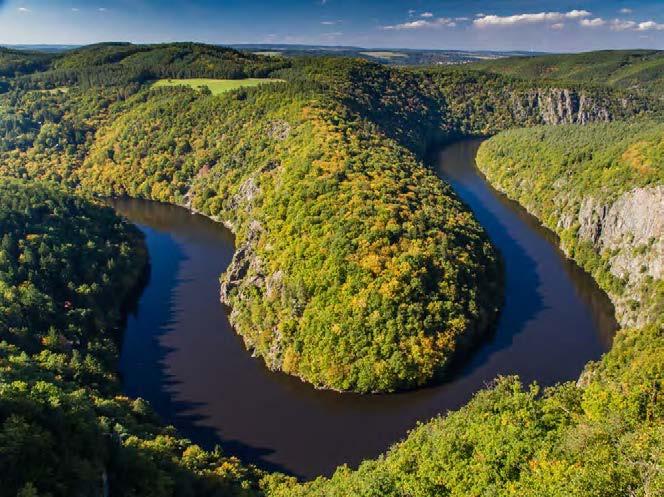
pixel 181 354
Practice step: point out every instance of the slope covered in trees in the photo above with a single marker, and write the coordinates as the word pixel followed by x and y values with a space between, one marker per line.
pixel 67 267
pixel 348 273
pixel 398 277
pixel 356 268
pixel 107 64
pixel 363 272
pixel 601 189
pixel 18 62
pixel 602 435
pixel 641 70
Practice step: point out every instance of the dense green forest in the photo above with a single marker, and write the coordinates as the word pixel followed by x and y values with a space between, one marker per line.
pixel 115 64
pixel 398 277
pixel 366 271
pixel 356 268
pixel 67 268
pixel 593 168
pixel 602 436
pixel 641 70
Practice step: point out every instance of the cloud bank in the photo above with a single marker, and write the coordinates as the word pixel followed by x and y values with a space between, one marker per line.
pixel 483 20
pixel 423 24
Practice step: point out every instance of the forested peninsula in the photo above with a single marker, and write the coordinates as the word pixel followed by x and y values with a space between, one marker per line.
pixel 356 268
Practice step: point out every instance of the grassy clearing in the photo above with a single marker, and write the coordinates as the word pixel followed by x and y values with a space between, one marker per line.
pixel 54 91
pixel 216 86
pixel 384 55
pixel 269 54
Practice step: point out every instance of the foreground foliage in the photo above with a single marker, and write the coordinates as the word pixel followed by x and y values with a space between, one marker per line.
pixel 356 269
pixel 602 436
pixel 67 267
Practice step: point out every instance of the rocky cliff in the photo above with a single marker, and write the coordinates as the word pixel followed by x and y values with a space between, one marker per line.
pixel 560 106
pixel 629 233
pixel 601 189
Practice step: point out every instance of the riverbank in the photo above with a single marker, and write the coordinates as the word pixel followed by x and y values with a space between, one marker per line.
pixel 182 354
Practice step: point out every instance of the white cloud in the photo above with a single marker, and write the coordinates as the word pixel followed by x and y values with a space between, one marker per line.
pixel 329 23
pixel 622 25
pixel 422 24
pixel 558 25
pixel 23 9
pixel 573 14
pixel 539 17
pixel 650 26
pixel 626 11
pixel 592 23
pixel 426 14
pixel 461 19
pixel 102 9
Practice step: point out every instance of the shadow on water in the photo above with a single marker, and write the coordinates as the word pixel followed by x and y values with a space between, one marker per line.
pixel 144 362
pixel 181 354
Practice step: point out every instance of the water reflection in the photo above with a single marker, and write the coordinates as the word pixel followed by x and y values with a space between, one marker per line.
pixel 181 354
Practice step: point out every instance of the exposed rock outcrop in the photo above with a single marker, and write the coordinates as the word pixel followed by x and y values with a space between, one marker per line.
pixel 630 233
pixel 558 106
pixel 243 263
pixel 247 272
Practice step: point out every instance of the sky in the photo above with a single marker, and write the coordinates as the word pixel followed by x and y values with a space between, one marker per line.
pixel 536 25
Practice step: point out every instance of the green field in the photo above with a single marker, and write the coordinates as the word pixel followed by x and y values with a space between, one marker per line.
pixel 269 54
pixel 384 55
pixel 216 86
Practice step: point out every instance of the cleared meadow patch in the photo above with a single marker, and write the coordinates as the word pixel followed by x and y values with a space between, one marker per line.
pixel 216 86
pixel 384 55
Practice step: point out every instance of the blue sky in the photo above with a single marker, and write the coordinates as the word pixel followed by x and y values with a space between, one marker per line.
pixel 453 24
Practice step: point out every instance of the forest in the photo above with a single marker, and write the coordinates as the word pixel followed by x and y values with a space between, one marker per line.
pixel 357 268
pixel 637 70
pixel 68 268
pixel 599 162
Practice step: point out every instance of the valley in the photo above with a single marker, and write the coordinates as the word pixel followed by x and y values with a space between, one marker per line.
pixel 185 359
pixel 366 284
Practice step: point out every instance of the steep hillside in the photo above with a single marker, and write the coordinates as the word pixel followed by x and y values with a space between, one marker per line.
pixel 17 62
pixel 107 64
pixel 601 189
pixel 356 269
pixel 630 69
pixel 376 293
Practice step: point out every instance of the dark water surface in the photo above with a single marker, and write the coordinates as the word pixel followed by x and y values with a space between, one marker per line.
pixel 180 353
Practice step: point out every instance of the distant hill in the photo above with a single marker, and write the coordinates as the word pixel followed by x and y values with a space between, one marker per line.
pixel 629 69
pixel 121 63
pixel 14 62
pixel 390 56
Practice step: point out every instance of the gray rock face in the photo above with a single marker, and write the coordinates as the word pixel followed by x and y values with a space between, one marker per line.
pixel 244 275
pixel 558 106
pixel 244 262
pixel 630 231
pixel 279 130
